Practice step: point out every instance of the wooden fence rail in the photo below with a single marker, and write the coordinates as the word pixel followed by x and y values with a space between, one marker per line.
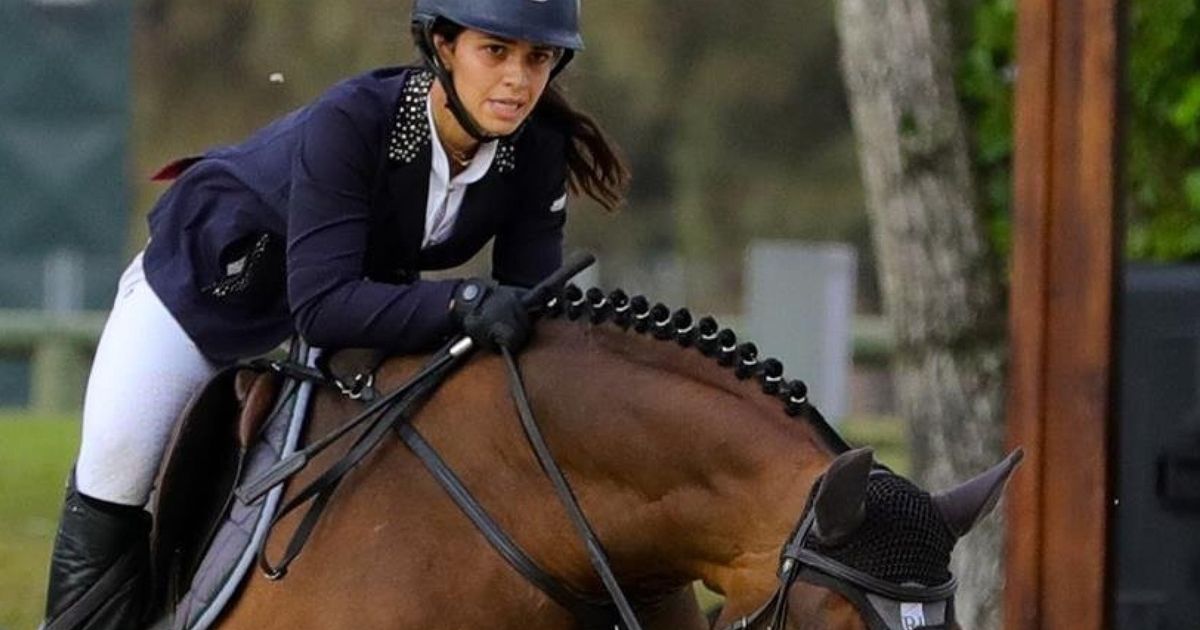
pixel 60 348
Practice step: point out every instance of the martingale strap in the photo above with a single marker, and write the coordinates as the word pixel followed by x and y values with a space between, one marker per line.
pixel 566 496
pixel 289 466
pixel 398 417
pixel 594 613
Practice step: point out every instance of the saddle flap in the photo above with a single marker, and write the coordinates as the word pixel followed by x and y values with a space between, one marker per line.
pixel 200 470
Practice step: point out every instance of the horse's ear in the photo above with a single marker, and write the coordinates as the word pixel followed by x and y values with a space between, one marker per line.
pixel 962 506
pixel 840 505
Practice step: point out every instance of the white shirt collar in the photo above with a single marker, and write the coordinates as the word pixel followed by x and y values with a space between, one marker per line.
pixel 480 163
pixel 445 194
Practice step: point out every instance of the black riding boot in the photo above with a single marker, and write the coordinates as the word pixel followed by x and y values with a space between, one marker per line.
pixel 99 566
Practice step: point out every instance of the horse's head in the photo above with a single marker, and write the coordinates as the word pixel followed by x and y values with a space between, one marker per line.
pixel 872 549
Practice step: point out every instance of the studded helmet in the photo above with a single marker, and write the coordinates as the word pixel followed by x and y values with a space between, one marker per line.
pixel 544 22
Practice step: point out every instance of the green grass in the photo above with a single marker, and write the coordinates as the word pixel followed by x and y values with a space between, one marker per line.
pixel 35 455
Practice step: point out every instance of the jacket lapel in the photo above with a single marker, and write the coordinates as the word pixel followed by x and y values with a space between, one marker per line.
pixel 400 228
pixel 399 223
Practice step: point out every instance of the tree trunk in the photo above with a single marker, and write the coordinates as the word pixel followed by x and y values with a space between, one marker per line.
pixel 936 269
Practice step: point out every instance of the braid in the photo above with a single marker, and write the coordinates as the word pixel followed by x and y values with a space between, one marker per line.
pixel 596 307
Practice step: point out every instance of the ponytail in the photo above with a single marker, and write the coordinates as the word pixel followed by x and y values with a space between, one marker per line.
pixel 594 166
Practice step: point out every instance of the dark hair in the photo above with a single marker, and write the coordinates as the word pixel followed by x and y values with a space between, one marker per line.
pixel 594 164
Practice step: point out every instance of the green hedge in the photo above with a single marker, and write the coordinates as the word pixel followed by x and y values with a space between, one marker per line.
pixel 1162 125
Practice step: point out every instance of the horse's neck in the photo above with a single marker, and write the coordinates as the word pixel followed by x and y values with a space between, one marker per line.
pixel 686 472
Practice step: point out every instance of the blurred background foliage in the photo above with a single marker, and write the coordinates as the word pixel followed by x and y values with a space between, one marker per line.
pixel 733 119
pixel 987 72
pixel 1163 143
pixel 1161 129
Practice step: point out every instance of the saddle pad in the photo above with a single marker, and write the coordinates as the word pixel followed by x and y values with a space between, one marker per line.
pixel 238 539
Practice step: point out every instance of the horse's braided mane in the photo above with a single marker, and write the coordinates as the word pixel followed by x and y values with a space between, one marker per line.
pixel 721 344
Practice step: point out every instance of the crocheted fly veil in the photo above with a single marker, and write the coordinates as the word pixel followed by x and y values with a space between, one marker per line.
pixel 903 538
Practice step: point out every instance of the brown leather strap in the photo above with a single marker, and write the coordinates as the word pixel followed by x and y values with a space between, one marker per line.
pixel 537 442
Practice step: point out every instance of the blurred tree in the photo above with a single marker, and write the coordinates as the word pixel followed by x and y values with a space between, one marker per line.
pixel 938 274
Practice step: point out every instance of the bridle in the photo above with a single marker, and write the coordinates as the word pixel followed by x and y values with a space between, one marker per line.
pixel 883 605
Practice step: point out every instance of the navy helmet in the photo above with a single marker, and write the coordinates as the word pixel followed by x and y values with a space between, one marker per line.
pixel 544 22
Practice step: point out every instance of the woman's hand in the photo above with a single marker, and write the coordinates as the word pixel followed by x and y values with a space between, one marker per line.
pixel 491 314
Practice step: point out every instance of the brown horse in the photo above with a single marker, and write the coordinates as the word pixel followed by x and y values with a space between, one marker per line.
pixel 686 471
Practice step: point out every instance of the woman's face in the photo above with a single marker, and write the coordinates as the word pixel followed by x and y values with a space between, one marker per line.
pixel 498 80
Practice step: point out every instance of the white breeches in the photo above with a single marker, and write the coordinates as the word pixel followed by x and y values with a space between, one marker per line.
pixel 145 372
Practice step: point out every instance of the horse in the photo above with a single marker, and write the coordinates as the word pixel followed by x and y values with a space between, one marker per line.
pixel 679 449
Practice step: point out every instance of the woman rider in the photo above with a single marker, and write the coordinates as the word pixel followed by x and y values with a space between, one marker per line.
pixel 320 224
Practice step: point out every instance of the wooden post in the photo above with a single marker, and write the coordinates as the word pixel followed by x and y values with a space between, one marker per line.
pixel 1062 304
pixel 59 372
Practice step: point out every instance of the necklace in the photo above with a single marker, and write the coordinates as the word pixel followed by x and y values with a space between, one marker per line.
pixel 463 158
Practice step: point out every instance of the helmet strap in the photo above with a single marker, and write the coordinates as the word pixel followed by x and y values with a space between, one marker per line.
pixel 423 34
pixel 567 56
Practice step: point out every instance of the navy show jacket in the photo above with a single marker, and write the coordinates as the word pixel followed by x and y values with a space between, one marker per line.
pixel 314 224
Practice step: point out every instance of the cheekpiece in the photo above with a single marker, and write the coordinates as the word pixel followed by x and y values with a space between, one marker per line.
pixel 411 133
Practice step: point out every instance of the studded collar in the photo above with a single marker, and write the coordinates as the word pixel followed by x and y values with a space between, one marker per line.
pixel 411 133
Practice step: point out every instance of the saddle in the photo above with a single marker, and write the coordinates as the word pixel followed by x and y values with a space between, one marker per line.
pixel 204 460
pixel 242 423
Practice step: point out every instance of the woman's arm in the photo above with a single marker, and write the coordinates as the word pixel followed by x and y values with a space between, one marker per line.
pixel 329 217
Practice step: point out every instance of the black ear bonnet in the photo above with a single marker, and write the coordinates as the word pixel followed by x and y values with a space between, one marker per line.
pixel 902 540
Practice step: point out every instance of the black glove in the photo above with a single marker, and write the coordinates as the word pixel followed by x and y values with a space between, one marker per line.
pixel 492 314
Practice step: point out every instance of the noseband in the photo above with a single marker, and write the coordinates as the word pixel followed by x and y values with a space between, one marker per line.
pixel 883 605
